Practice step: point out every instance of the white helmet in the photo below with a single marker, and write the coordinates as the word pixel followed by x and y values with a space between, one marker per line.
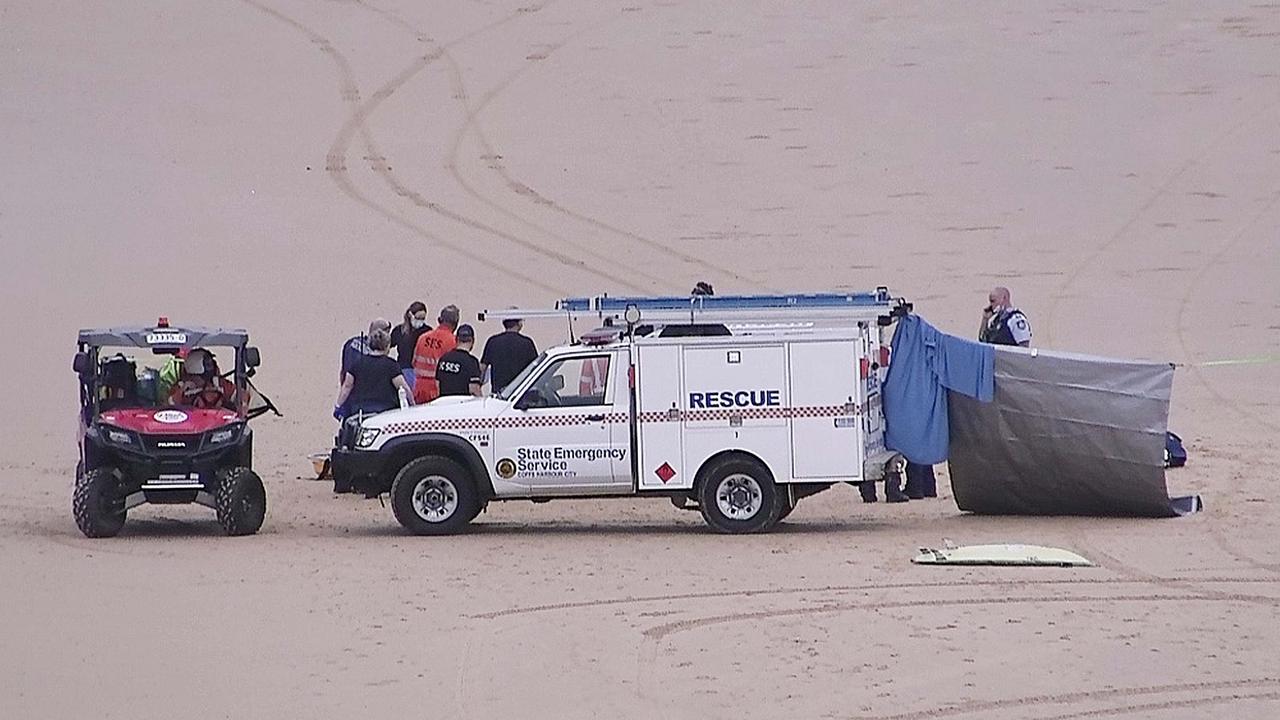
pixel 198 362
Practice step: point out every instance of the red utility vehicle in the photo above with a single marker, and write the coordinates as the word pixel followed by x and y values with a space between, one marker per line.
pixel 143 441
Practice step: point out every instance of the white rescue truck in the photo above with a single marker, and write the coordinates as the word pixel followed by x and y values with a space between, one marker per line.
pixel 737 406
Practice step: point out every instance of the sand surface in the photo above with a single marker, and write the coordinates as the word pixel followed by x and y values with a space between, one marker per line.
pixel 298 166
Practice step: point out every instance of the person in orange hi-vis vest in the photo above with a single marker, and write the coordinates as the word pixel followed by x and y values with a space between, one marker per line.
pixel 427 352
pixel 595 373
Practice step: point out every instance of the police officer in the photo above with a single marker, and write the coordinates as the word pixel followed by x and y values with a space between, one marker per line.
pixel 1002 323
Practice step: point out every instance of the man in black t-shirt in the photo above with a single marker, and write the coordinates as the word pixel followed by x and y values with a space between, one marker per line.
pixel 458 371
pixel 506 354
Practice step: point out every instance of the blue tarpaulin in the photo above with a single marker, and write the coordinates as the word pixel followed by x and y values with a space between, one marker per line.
pixel 926 363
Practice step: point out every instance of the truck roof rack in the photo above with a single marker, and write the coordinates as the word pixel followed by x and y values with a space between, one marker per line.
pixel 809 308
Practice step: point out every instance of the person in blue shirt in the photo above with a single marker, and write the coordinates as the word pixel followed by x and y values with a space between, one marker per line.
pixel 354 349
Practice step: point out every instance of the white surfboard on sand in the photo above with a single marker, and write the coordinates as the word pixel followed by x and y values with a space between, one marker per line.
pixel 1000 555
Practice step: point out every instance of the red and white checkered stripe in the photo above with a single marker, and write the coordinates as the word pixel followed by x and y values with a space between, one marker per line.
pixel 420 426
pixel 717 415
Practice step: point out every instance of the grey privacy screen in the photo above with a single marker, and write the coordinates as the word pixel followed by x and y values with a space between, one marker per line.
pixel 1065 435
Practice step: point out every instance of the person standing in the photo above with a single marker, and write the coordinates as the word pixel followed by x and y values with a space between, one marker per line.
pixel 428 351
pixel 373 382
pixel 355 348
pixel 458 371
pixel 1002 323
pixel 404 337
pixel 506 354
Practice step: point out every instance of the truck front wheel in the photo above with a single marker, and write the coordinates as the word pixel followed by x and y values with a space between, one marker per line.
pixel 434 496
pixel 738 495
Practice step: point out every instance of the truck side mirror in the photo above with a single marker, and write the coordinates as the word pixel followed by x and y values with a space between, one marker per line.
pixel 81 364
pixel 252 358
pixel 532 398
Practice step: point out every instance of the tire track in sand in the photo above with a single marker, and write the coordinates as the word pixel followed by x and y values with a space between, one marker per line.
pixel 461 94
pixel 1139 575
pixel 1101 695
pixel 1219 539
pixel 472 126
pixel 763 592
pixel 1090 259
pixel 496 164
pixel 1180 324
pixel 660 632
pixel 357 124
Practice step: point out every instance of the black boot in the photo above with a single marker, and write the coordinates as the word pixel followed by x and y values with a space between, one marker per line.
pixel 920 481
pixel 893 489
pixel 868 491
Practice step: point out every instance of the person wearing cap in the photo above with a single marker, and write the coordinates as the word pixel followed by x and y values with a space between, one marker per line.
pixel 427 353
pixel 354 349
pixel 458 371
pixel 507 354
pixel 373 382
pixel 358 345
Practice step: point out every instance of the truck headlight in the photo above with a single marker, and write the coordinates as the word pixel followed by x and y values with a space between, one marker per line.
pixel 366 437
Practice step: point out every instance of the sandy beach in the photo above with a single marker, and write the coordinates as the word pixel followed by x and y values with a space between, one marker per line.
pixel 300 167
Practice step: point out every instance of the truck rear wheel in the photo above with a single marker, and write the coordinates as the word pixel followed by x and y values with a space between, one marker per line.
pixel 98 503
pixel 240 501
pixel 738 496
pixel 434 496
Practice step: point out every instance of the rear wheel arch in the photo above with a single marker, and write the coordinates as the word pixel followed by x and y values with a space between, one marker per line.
pixel 707 465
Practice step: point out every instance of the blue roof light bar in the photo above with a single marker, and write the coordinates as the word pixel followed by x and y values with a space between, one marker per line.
pixel 803 301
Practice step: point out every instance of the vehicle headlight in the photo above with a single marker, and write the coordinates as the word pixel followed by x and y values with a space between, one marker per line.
pixel 217 437
pixel 119 437
pixel 366 436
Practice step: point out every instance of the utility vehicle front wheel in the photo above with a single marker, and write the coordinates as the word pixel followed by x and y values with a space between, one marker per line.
pixel 240 501
pixel 98 503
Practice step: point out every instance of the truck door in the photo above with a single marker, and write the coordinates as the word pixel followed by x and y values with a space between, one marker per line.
pixel 564 435
pixel 825 437
pixel 659 432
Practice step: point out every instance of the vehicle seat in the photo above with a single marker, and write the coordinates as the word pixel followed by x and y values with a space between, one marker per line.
pixel 118 382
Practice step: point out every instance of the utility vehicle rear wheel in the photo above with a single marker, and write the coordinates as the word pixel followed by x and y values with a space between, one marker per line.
pixel 240 501
pixel 738 495
pixel 98 503
pixel 434 496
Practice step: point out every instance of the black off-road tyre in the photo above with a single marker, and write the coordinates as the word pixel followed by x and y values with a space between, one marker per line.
pixel 98 503
pixel 240 501
pixel 434 495
pixel 740 480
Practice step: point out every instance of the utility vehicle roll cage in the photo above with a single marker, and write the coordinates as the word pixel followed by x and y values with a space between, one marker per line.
pixel 162 339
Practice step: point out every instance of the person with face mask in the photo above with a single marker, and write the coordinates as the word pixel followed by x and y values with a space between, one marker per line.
pixel 404 337
pixel 1002 323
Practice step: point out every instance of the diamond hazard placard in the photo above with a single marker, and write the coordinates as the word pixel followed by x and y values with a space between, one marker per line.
pixel 665 472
